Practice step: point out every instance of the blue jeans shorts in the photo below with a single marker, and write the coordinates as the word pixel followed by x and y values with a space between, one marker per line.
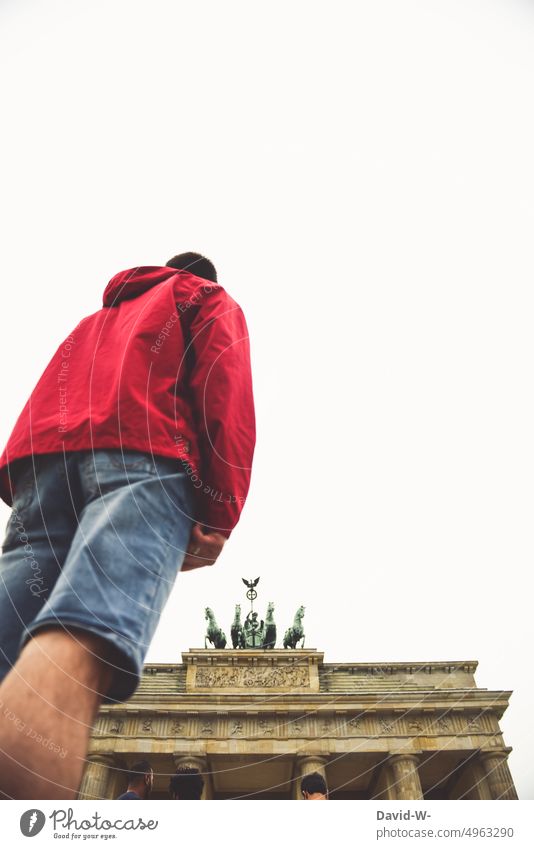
pixel 95 541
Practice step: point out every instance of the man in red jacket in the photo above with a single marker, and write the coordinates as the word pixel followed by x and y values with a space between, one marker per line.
pixel 130 460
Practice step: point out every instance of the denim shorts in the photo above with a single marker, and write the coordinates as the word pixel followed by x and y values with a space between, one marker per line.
pixel 95 541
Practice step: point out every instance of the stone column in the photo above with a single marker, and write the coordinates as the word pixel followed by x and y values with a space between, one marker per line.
pixel 305 765
pixel 471 782
pixel 405 774
pixel 384 786
pixel 118 778
pixel 197 762
pixel 501 783
pixel 96 778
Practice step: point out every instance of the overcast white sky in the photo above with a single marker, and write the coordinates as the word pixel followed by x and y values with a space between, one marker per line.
pixel 362 175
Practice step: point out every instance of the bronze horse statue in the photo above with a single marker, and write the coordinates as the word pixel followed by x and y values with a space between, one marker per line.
pixel 269 629
pixel 295 634
pixel 214 634
pixel 236 631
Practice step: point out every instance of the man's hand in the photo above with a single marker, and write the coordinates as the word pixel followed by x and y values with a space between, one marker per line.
pixel 203 548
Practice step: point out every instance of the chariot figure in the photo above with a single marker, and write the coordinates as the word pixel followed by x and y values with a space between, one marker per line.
pixel 253 631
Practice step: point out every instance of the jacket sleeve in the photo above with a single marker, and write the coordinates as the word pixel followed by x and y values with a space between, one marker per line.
pixel 223 408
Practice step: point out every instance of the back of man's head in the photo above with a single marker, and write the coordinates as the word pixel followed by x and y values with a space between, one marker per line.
pixel 186 783
pixel 313 785
pixel 140 775
pixel 195 264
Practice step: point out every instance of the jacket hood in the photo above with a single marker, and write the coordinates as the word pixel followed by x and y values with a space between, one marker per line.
pixel 134 281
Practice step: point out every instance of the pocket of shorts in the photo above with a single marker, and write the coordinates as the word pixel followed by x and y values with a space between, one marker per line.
pixel 24 488
pixel 104 470
pixel 129 461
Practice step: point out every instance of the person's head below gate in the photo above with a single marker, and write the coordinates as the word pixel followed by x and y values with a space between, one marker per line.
pixel 140 781
pixel 313 786
pixel 186 783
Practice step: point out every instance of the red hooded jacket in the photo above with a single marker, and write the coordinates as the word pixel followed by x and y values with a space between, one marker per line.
pixel 163 367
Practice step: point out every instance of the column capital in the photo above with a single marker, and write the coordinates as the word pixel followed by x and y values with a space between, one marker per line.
pixel 103 758
pixel 396 757
pixel 195 761
pixel 500 752
pixel 316 760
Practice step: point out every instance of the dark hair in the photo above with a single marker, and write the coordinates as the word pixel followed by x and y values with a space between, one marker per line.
pixel 195 264
pixel 186 783
pixel 313 782
pixel 137 771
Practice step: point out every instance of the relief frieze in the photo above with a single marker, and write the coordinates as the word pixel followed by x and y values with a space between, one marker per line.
pixel 208 677
pixel 315 725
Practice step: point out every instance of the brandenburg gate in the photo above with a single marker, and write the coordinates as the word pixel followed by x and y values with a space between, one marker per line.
pixel 254 720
